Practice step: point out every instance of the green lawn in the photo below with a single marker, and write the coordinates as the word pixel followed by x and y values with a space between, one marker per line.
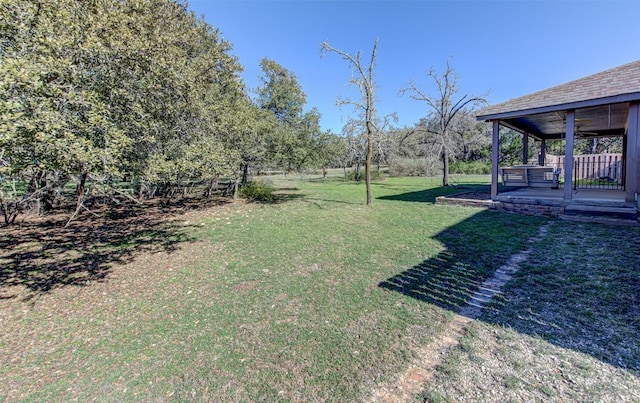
pixel 316 297
pixel 566 329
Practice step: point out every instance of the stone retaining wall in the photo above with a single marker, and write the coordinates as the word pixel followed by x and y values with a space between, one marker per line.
pixel 466 202
pixel 533 208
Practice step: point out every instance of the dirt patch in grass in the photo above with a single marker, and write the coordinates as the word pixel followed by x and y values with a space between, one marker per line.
pixel 499 364
pixel 57 283
pixel 40 254
pixel 244 287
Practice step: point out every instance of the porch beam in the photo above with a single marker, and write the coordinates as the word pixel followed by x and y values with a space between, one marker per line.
pixel 525 148
pixel 632 154
pixel 543 152
pixel 624 161
pixel 495 156
pixel 568 155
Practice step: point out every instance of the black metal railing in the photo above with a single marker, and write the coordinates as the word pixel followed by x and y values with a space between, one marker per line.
pixel 598 172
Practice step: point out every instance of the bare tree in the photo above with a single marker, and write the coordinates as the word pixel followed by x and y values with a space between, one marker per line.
pixel 356 145
pixel 383 141
pixel 443 110
pixel 472 138
pixel 363 79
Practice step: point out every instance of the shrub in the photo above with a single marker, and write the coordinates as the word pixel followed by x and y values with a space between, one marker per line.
pixel 375 175
pixel 412 167
pixel 258 191
pixel 470 167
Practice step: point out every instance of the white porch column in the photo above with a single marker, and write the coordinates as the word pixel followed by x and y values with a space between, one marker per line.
pixel 525 148
pixel 632 157
pixel 568 155
pixel 495 156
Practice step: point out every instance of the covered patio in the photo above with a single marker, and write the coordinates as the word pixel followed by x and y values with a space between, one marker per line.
pixel 595 196
pixel 605 104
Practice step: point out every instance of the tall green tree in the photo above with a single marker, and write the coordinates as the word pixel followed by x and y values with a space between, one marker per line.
pixel 249 135
pixel 54 119
pixel 329 151
pixel 280 93
pixel 291 143
pixel 102 89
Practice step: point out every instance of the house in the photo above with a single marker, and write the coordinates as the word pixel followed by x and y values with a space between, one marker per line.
pixel 606 104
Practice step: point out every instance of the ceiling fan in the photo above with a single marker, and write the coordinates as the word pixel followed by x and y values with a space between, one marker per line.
pixel 577 121
pixel 578 124
pixel 584 133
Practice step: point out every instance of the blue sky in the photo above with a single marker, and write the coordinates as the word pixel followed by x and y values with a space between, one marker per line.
pixel 503 48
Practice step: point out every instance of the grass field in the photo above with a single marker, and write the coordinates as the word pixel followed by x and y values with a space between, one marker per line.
pixel 314 297
pixel 566 328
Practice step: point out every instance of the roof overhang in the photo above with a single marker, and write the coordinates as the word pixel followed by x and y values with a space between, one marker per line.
pixel 600 102
pixel 604 117
pixel 634 96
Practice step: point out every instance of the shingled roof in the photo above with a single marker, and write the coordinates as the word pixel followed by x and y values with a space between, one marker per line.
pixel 619 84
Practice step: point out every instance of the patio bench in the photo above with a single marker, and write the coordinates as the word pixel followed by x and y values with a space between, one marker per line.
pixel 529 176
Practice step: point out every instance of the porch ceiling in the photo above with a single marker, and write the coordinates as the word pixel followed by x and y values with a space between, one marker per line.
pixel 595 121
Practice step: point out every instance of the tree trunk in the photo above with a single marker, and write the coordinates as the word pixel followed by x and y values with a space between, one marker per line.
pixel 49 190
pixel 245 174
pixel 10 208
pixel 80 200
pixel 81 187
pixel 153 190
pixel 33 190
pixel 367 166
pixel 235 189
pixel 4 207
pixel 445 168
pixel 213 183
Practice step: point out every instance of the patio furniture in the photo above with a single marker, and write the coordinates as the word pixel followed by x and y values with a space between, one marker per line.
pixel 556 178
pixel 529 176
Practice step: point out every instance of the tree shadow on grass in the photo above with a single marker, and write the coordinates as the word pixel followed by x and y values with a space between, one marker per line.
pixel 41 254
pixel 473 249
pixel 279 198
pixel 429 195
pixel 330 179
pixel 578 292
pixel 315 201
pixel 593 312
